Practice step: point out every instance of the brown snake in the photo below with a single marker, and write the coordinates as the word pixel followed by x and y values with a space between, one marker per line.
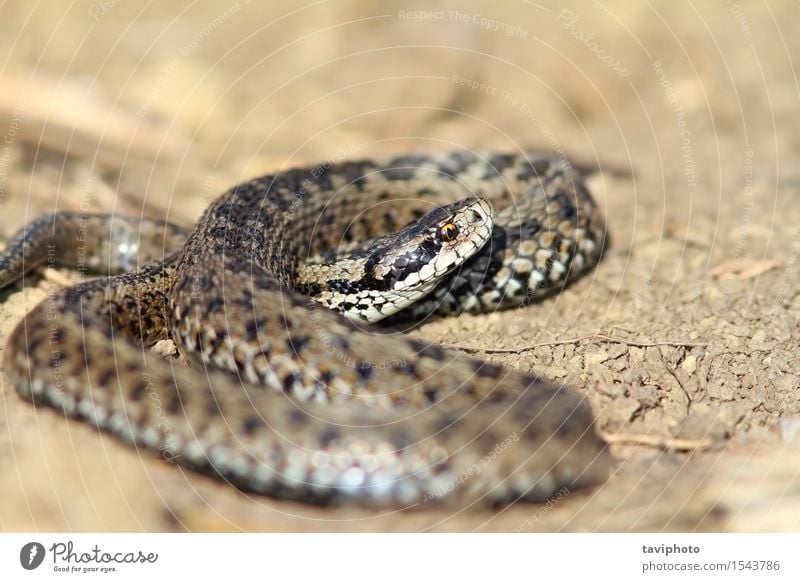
pixel 289 399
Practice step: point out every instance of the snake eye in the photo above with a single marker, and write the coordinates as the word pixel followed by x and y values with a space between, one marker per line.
pixel 448 232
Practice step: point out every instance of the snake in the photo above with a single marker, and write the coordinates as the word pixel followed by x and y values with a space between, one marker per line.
pixel 293 302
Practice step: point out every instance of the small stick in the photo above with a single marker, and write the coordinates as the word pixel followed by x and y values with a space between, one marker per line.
pixel 602 337
pixel 658 441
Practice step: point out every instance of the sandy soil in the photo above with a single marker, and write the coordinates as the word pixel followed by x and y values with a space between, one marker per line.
pixel 684 339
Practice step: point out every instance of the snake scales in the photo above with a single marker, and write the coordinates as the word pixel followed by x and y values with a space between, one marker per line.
pixel 289 399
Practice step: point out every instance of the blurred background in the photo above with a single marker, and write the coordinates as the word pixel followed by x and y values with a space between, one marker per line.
pixel 689 109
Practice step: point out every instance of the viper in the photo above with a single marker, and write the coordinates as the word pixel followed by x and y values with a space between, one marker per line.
pixel 293 388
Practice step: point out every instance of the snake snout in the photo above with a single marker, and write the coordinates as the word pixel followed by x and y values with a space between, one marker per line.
pixel 431 247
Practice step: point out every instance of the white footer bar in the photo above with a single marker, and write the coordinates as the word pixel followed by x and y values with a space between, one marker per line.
pixel 401 557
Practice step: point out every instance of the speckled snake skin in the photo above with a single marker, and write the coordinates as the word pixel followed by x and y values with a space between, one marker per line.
pixel 285 397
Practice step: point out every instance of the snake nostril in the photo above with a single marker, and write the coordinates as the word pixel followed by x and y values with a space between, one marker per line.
pixel 475 217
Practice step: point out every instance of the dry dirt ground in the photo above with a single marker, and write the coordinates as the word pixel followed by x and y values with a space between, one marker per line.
pixel 684 339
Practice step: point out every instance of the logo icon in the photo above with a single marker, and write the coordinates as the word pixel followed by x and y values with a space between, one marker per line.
pixel 31 555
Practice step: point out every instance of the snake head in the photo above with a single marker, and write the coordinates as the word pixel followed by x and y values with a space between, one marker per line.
pixel 407 265
pixel 384 275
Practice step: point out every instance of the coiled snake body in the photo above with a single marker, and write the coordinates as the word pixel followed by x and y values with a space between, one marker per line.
pixel 290 399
